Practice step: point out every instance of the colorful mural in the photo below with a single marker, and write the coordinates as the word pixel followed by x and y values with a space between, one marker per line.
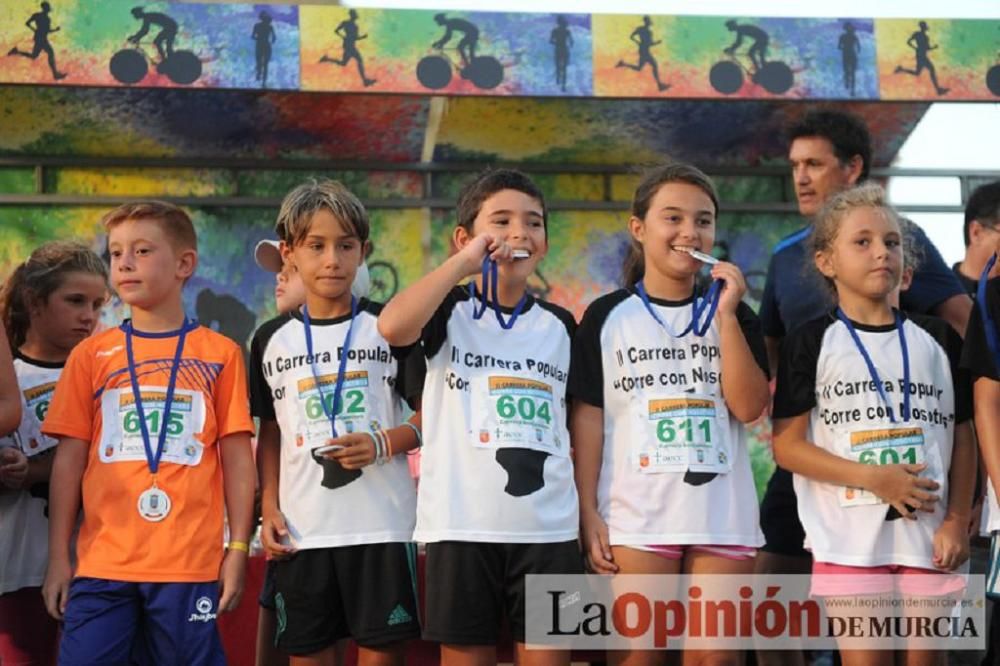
pixel 337 49
pixel 163 44
pixel 938 59
pixel 474 53
pixel 692 56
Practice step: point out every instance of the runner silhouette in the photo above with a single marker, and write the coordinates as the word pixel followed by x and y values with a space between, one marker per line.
pixel 348 33
pixel 562 39
pixel 41 25
pixel 758 50
pixel 921 44
pixel 850 49
pixel 164 40
pixel 466 45
pixel 643 38
pixel 264 36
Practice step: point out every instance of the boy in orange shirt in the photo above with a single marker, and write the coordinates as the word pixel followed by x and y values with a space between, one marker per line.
pixel 154 433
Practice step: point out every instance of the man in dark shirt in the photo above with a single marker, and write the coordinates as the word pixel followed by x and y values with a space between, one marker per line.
pixel 829 152
pixel 982 226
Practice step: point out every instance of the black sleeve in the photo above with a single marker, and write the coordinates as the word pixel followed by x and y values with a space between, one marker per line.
pixel 933 282
pixel 795 389
pixel 261 401
pixel 754 337
pixel 410 373
pixel 770 318
pixel 436 331
pixel 586 369
pixel 977 357
pixel 952 344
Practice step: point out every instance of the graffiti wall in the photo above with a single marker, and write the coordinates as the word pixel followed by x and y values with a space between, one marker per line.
pixel 243 45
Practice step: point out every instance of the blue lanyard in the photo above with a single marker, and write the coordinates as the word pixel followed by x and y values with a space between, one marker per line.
pixel 153 459
pixel 873 373
pixel 698 307
pixel 341 369
pixel 491 279
pixel 992 340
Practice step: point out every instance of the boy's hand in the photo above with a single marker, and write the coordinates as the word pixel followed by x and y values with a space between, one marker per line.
pixel 13 467
pixel 597 544
pixel 482 245
pixel 902 487
pixel 358 451
pixel 951 544
pixel 55 588
pixel 231 578
pixel 273 530
pixel 733 288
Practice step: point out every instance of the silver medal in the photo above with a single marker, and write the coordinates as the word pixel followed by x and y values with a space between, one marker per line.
pixel 154 505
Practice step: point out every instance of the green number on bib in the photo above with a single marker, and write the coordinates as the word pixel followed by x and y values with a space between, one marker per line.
pixel 665 431
pixel 543 412
pixel 314 408
pixel 41 410
pixel 175 425
pixel 357 402
pixel 888 457
pixel 685 427
pixel 526 408
pixel 131 422
pixel 910 455
pixel 867 457
pixel 505 407
pixel 706 429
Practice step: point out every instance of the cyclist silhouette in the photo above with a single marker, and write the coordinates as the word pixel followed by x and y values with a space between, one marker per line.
pixel 562 39
pixel 466 45
pixel 164 40
pixel 40 24
pixel 264 36
pixel 348 33
pixel 643 38
pixel 758 50
pixel 921 44
pixel 850 49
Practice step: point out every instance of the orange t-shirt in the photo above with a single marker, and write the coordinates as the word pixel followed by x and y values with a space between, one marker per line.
pixel 93 402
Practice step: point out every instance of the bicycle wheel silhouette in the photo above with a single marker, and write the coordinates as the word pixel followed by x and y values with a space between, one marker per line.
pixel 129 66
pixel 726 77
pixel 384 281
pixel 485 72
pixel 993 80
pixel 182 67
pixel 775 77
pixel 434 72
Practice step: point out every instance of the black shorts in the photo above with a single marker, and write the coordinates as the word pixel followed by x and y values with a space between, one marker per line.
pixel 779 517
pixel 266 597
pixel 473 587
pixel 365 592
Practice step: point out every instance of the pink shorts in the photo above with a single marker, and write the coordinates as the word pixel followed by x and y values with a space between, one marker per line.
pixel 676 552
pixel 835 580
pixel 28 634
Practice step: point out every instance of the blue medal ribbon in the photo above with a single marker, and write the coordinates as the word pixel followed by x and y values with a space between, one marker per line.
pixel 153 458
pixel 491 280
pixel 990 327
pixel 698 307
pixel 341 369
pixel 873 372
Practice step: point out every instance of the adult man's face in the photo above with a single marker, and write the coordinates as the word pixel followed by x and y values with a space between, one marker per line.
pixel 817 172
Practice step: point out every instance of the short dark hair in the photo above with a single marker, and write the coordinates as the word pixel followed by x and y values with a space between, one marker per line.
pixel 488 183
pixel 846 132
pixel 983 207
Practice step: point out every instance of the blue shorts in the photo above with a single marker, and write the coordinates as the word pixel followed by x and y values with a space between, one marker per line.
pixel 111 622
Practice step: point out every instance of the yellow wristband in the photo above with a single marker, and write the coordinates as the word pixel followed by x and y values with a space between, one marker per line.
pixel 239 545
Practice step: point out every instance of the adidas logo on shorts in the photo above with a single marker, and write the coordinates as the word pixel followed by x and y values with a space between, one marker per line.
pixel 398 616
